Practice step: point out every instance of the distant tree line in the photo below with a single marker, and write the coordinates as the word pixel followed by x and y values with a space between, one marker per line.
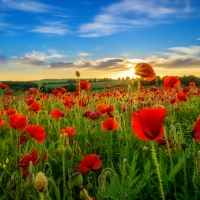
pixel 72 87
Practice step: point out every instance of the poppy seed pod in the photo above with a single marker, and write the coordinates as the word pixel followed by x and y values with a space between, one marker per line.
pixel 77 74
pixel 144 149
pixel 76 179
pixel 40 182
pixel 183 146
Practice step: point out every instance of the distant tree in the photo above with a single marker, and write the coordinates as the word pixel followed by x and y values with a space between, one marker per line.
pixel 127 78
pixel 119 79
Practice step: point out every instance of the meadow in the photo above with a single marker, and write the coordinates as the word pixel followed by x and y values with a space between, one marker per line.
pixel 118 143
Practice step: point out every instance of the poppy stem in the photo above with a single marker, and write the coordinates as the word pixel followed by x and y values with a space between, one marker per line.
pixel 154 156
pixel 64 176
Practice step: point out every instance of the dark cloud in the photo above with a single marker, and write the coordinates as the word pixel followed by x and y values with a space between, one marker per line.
pixel 60 65
pixel 30 61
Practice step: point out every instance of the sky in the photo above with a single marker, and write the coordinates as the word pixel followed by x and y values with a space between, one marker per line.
pixel 46 39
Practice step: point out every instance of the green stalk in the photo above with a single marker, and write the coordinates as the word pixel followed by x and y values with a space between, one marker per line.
pixel 64 175
pixel 154 156
pixel 185 175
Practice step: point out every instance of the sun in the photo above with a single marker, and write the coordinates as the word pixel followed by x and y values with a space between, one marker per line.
pixel 129 73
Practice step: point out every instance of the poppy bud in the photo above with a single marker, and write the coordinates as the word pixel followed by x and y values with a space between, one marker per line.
pixel 144 149
pixel 76 179
pixel 68 149
pixel 30 167
pixel 77 74
pixel 40 182
pixel 30 179
pixel 84 194
pixel 60 149
pixel 78 150
pixel 183 146
pixel 125 166
pixel 89 186
pixel 10 184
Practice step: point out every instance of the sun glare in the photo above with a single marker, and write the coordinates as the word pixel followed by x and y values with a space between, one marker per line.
pixel 129 73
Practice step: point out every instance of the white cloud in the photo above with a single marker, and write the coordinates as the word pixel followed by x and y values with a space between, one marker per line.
pixel 198 38
pixel 28 6
pixel 83 54
pixel 51 28
pixel 127 14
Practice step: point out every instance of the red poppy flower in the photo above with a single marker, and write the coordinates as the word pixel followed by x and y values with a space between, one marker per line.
pixel 196 130
pixel 192 85
pixel 83 102
pixel 94 115
pixel 30 101
pixel 186 89
pixel 11 111
pixel 182 96
pixel 110 124
pixel 63 90
pixel 25 161
pixel 35 106
pixel 44 157
pixel 22 139
pixel 147 124
pixel 55 92
pixel 104 109
pixel 108 87
pixel 91 161
pixel 145 70
pixel 4 86
pixel 171 82
pixel 18 121
pixel 84 85
pixel 69 131
pixel 32 91
pixel 56 113
pixel 8 93
pixel 37 132
pixel 2 122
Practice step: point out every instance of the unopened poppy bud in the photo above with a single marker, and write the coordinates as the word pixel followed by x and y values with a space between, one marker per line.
pixel 78 150
pixel 84 194
pixel 125 166
pixel 149 102
pixel 60 149
pixel 40 182
pixel 68 149
pixel 77 74
pixel 10 184
pixel 183 146
pixel 89 186
pixel 76 179
pixel 87 142
pixel 144 149
pixel 30 167
pixel 30 179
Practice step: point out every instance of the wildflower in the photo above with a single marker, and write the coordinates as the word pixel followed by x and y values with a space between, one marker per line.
pixel 22 139
pixel 171 82
pixel 32 91
pixel 147 124
pixel 145 70
pixel 24 162
pixel 8 93
pixel 91 161
pixel 69 131
pixel 110 124
pixel 56 113
pixel 18 121
pixel 192 85
pixel 84 85
pixel 63 90
pixel 2 122
pixel 11 111
pixel 35 106
pixel 4 86
pixel 37 132
pixel 104 109
pixel 196 130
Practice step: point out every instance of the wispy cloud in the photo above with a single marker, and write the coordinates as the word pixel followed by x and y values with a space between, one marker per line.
pixel 127 14
pixel 52 28
pixel 198 38
pixel 28 6
pixel 83 54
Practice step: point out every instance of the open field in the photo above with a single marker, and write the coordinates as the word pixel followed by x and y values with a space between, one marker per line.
pixel 119 144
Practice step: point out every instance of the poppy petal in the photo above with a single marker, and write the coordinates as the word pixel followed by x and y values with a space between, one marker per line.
pixel 89 160
pixel 82 168
pixel 97 164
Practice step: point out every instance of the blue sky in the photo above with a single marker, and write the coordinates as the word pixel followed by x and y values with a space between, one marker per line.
pixel 53 39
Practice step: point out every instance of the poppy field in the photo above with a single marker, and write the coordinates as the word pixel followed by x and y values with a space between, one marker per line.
pixel 121 144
